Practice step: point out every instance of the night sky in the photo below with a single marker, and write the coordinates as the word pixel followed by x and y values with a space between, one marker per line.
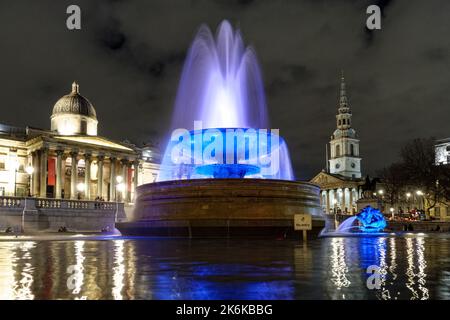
pixel 128 58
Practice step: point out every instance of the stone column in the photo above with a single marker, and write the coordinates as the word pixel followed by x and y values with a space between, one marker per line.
pixel 59 180
pixel 73 175
pixel 100 176
pixel 43 173
pixel 351 200
pixel 112 179
pixel 328 201
pixel 136 175
pixel 35 178
pixel 125 164
pixel 343 200
pixel 87 176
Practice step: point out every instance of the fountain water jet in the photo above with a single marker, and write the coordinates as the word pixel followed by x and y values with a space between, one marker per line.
pixel 369 221
pixel 209 182
pixel 221 85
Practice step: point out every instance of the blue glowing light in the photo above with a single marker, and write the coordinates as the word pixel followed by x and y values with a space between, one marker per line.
pixel 371 220
pixel 221 87
pixel 226 153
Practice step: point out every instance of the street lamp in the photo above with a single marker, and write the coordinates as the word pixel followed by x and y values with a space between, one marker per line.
pixel 29 170
pixel 335 213
pixel 420 194
pixel 80 187
pixel 392 212
pixel 15 165
pixel 380 192
pixel 119 187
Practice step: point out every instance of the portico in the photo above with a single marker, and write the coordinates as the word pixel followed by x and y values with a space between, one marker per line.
pixel 338 194
pixel 82 170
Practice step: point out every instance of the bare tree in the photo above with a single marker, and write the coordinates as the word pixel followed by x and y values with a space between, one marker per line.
pixel 420 170
pixel 394 181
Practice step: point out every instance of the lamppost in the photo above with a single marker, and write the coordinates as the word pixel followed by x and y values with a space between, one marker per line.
pixel 335 213
pixel 120 187
pixel 408 196
pixel 80 187
pixel 419 194
pixel 392 213
pixel 15 165
pixel 29 171
pixel 380 199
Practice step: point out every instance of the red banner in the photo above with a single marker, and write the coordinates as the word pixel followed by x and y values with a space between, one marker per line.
pixel 130 175
pixel 51 177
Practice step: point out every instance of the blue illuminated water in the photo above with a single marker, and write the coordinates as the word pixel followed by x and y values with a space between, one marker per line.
pixel 368 220
pixel 412 266
pixel 221 86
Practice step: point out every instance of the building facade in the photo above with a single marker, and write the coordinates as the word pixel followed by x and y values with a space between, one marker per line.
pixel 340 182
pixel 71 161
pixel 442 149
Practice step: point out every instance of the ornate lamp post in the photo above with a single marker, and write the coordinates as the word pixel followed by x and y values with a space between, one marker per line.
pixel 80 187
pixel 120 187
pixel 335 213
pixel 29 171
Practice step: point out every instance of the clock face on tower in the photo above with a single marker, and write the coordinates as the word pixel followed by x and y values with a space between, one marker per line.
pixel 353 165
pixel 337 165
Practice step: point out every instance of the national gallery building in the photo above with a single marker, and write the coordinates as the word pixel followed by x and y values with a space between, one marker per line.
pixel 70 161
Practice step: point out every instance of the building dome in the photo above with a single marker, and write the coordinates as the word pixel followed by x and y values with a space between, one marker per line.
pixel 73 114
pixel 74 103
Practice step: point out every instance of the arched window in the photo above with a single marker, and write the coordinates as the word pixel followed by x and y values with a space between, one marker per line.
pixel 352 149
pixel 338 150
pixel 339 122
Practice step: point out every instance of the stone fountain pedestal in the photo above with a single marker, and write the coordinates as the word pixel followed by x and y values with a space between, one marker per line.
pixel 222 208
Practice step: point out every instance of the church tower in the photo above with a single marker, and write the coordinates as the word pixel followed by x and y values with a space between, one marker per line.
pixel 344 143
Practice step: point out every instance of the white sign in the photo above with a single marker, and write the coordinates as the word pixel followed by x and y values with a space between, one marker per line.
pixel 302 221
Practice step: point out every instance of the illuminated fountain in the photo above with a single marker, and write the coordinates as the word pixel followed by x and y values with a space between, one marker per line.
pixel 221 86
pixel 222 166
pixel 369 221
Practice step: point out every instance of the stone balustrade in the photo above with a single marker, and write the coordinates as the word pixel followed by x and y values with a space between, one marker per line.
pixel 45 214
pixel 11 202
pixel 74 204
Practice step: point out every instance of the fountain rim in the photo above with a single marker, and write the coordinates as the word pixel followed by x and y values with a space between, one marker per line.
pixel 235 180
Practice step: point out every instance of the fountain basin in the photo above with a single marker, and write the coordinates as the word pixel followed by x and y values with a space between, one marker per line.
pixel 215 206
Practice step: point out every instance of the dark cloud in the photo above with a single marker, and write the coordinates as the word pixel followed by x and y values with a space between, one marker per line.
pixel 129 55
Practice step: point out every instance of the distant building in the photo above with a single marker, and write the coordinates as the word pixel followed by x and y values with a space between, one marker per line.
pixel 70 160
pixel 340 182
pixel 442 148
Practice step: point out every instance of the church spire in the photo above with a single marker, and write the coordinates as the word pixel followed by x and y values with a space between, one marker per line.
pixel 343 118
pixel 343 101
